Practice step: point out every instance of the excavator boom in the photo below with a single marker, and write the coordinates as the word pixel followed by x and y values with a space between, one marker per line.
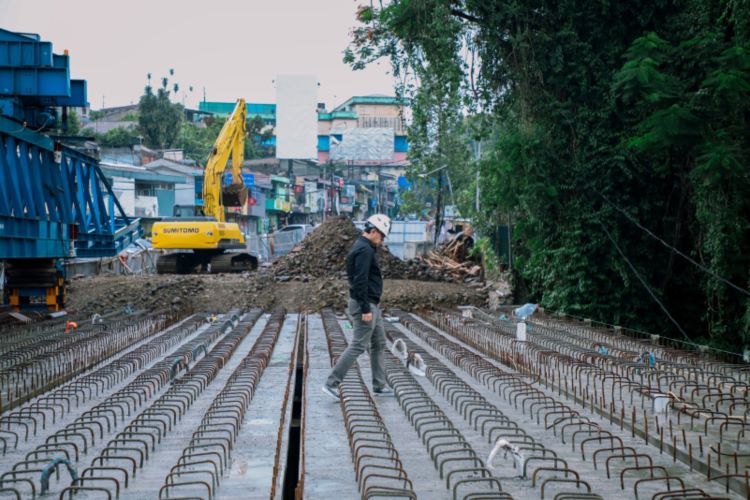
pixel 230 142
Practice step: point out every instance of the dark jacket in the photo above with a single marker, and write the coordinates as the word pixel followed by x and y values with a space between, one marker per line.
pixel 363 272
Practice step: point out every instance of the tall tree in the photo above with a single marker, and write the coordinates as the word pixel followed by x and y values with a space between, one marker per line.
pixel 604 121
pixel 159 119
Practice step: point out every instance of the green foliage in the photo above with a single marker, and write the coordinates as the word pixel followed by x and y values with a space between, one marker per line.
pixel 159 119
pixel 118 137
pixel 196 141
pixel 483 247
pixel 644 103
pixel 73 126
pixel 257 132
pixel 95 114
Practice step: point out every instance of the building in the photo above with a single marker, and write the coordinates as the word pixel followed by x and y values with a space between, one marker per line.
pixel 362 155
pixel 184 192
pixel 142 192
pixel 364 112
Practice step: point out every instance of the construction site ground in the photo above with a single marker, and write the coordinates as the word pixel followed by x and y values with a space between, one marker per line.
pixel 154 401
pixel 210 386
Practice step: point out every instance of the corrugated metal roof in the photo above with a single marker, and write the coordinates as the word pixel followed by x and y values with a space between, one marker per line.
pixel 175 167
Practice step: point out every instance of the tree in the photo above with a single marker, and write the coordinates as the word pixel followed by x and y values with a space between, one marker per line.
pixel 117 137
pixel 74 124
pixel 258 134
pixel 196 142
pixel 594 117
pixel 159 119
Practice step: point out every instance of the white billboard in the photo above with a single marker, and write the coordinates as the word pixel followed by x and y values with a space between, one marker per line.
pixel 296 117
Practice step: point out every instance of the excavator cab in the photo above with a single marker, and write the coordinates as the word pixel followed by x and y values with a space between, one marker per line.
pixel 187 211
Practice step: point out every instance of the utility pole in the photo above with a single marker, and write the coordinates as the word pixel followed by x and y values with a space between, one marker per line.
pixel 325 194
pixel 477 158
pixel 438 209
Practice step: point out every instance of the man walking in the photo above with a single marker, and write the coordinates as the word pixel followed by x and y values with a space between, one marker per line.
pixel 365 289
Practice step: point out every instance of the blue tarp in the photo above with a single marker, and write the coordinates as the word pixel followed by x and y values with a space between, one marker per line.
pixel 403 183
pixel 248 178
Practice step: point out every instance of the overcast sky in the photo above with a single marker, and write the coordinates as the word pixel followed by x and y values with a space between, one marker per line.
pixel 233 48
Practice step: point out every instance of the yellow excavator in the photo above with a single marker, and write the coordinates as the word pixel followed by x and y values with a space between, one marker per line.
pixel 205 241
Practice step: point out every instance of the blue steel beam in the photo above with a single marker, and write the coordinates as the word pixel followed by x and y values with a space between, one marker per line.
pixel 48 194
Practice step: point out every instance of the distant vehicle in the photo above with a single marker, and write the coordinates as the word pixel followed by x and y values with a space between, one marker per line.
pixel 306 228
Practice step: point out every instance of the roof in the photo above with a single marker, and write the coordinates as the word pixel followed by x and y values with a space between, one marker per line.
pixel 116 109
pixel 115 169
pixel 258 162
pixel 341 115
pixel 370 99
pixel 266 111
pixel 175 167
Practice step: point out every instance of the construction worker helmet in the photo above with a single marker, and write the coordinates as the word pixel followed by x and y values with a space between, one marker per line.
pixel 380 222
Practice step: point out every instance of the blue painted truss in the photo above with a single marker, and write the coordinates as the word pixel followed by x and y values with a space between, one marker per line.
pixel 55 202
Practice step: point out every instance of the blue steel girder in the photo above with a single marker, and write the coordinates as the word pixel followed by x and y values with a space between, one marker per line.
pixel 51 195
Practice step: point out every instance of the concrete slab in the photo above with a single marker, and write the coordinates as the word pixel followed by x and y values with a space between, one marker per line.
pixel 146 485
pixel 254 452
pixel 608 488
pixel 329 472
pixel 417 463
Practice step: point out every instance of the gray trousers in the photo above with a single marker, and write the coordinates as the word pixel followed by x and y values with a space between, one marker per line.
pixel 368 335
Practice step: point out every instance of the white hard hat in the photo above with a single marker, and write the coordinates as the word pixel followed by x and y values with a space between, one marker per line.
pixel 380 222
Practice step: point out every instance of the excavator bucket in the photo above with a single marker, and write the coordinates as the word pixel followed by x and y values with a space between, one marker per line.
pixel 234 195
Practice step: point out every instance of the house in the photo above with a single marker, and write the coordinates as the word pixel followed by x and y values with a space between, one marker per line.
pixel 140 191
pixel 184 192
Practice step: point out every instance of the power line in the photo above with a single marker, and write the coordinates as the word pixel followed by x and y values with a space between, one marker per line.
pixel 681 254
pixel 643 282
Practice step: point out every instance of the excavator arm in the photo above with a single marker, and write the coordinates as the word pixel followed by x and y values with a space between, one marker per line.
pixel 230 142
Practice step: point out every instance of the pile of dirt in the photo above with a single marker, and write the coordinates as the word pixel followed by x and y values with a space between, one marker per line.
pixel 323 254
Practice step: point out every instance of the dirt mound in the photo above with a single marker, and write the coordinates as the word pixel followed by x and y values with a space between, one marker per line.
pixel 323 254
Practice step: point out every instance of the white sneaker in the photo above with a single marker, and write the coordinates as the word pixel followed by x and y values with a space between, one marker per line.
pixel 332 391
pixel 383 391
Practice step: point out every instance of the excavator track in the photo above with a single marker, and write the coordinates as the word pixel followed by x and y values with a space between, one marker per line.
pixel 177 263
pixel 189 263
pixel 233 263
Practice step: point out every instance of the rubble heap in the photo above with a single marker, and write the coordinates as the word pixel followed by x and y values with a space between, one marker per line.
pixel 447 259
pixel 323 254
